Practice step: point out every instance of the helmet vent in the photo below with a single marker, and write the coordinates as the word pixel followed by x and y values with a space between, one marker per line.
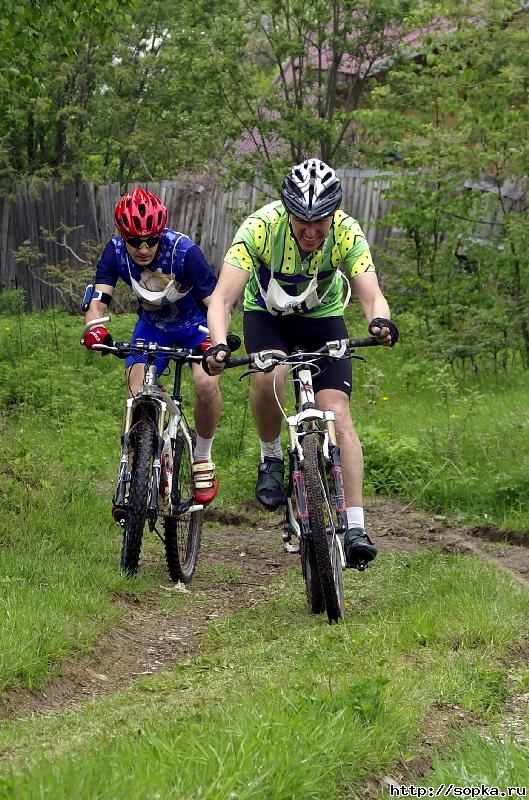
pixel 140 213
pixel 311 190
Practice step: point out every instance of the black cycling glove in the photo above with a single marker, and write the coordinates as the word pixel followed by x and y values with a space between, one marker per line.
pixel 380 322
pixel 212 351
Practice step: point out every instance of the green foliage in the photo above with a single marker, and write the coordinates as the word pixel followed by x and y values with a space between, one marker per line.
pixel 458 113
pixel 12 301
pixel 450 442
pixel 55 529
pixel 92 95
pixel 394 463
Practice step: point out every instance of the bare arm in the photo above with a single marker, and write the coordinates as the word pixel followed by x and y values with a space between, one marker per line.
pixel 368 291
pixel 97 309
pixel 374 304
pixel 229 288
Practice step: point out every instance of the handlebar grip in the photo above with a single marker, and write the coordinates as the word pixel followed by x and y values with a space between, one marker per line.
pixel 94 322
pixel 367 341
pixel 240 361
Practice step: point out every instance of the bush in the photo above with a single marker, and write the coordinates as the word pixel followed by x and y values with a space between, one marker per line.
pixel 12 301
pixel 394 465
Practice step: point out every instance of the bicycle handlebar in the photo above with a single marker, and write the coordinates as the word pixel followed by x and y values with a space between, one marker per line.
pixel 124 349
pixel 262 361
pixel 266 360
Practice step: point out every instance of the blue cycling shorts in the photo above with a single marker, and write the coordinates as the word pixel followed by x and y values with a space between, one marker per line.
pixel 187 337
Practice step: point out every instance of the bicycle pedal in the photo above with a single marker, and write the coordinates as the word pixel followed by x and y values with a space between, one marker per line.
pixel 189 507
pixel 290 548
pixel 119 514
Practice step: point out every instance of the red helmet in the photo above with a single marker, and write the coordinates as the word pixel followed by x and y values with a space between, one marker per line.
pixel 140 214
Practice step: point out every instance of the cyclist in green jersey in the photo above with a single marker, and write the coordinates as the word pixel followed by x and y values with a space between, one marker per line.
pixel 287 258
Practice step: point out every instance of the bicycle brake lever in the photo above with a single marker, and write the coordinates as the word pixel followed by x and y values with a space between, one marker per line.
pixel 266 360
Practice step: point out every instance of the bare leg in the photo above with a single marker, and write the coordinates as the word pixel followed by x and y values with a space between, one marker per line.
pixel 350 447
pixel 359 549
pixel 134 379
pixel 266 414
pixel 208 402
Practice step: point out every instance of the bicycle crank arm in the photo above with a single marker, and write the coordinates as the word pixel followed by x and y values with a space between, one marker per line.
pixel 187 507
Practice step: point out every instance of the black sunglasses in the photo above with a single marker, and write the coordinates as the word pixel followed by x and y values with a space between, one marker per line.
pixel 137 241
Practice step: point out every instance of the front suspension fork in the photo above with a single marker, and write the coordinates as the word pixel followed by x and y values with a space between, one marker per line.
pixel 124 474
pixel 337 491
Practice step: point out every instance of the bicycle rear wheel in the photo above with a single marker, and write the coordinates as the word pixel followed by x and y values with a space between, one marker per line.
pixel 322 527
pixel 143 438
pixel 183 532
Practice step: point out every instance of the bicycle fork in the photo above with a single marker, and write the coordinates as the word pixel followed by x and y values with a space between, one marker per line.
pixel 157 406
pixel 322 422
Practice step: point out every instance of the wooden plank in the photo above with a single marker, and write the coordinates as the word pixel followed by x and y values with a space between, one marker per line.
pixel 368 227
pixel 7 271
pixel 218 250
pixel 209 222
pixel 197 205
pixel 107 199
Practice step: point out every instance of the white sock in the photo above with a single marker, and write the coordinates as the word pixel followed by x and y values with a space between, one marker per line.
pixel 202 450
pixel 271 449
pixel 355 516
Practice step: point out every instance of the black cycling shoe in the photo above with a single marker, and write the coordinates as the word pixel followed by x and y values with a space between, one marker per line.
pixel 269 489
pixel 359 549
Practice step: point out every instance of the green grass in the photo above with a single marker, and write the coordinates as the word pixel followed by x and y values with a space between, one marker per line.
pixel 282 705
pixel 478 760
pixel 425 439
pixel 456 447
pixel 59 444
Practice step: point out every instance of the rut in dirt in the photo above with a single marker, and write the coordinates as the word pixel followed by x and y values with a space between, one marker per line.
pixel 240 560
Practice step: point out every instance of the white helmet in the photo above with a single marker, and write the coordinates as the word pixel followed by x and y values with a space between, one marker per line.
pixel 311 190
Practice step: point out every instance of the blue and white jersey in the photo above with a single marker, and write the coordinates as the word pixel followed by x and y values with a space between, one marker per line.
pixel 177 258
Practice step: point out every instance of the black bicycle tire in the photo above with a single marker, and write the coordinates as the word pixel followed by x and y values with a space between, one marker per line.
pixel 334 546
pixel 309 568
pixel 314 488
pixel 143 438
pixel 183 533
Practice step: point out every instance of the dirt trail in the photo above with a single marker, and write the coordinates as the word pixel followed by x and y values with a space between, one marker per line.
pixel 239 560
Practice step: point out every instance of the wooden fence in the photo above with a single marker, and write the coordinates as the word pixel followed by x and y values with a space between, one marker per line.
pixel 198 207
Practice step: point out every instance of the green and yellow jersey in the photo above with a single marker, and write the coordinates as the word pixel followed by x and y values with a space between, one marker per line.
pixel 265 243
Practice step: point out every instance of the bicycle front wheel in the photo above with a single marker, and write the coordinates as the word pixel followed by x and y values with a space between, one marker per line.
pixel 144 437
pixel 309 567
pixel 183 532
pixel 322 528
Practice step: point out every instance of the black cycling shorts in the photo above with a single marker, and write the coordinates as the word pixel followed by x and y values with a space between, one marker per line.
pixel 264 331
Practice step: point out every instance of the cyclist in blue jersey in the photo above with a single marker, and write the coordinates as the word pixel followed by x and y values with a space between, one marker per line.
pixel 173 283
pixel 287 259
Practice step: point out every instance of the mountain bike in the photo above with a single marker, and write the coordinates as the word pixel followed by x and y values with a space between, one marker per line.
pixel 155 476
pixel 315 510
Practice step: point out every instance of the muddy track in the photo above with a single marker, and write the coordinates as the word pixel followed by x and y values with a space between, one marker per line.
pixel 240 559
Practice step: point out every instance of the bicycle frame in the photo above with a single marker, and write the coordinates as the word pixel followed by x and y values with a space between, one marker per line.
pixel 316 476
pixel 165 412
pixel 310 419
